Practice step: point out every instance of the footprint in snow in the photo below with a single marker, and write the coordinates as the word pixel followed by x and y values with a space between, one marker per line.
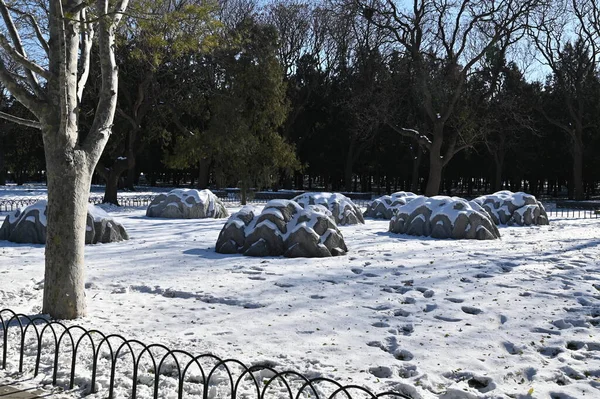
pixel 471 310
pixel 403 355
pixel 284 285
pixel 454 300
pixel 407 371
pixel 429 308
pixel 256 278
pixel 483 275
pixel 378 307
pixel 427 293
pixel 575 345
pixel 545 331
pixel 448 319
pixel 584 302
pixel 401 313
pixel 381 371
pixel 551 351
pixel 356 270
pixel 371 275
pixel 317 297
pixel 511 349
pixel 380 324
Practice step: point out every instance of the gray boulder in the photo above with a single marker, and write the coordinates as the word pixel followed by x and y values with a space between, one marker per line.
pixel 443 217
pixel 344 211
pixel 508 208
pixel 187 204
pixel 28 226
pixel 283 228
pixel 385 206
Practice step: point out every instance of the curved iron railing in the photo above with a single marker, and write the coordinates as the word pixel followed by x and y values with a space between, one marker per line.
pixel 65 343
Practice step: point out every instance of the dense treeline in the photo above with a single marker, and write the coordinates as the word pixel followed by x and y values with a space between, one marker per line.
pixel 431 97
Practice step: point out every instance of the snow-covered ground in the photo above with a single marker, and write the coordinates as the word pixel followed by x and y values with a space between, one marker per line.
pixel 515 317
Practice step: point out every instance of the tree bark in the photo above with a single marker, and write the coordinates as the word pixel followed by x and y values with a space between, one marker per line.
pixel 414 180
pixel 348 167
pixel 578 192
pixel 69 179
pixel 203 173
pixel 436 163
pixel 2 167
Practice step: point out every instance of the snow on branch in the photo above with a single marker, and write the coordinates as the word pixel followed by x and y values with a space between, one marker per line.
pixel 423 140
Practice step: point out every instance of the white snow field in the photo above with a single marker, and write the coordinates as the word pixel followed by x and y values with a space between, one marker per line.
pixel 511 318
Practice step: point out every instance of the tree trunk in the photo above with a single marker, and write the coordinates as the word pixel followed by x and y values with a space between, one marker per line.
pixel 578 193
pixel 111 188
pixel 499 166
pixel 130 170
pixel 69 179
pixel 243 195
pixel 436 164
pixel 203 173
pixel 2 167
pixel 348 168
pixel 414 180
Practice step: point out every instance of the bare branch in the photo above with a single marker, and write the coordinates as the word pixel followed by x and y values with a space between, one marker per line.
pixel 423 140
pixel 14 34
pixel 21 59
pixel 107 103
pixel 36 28
pixel 20 121
pixel 87 36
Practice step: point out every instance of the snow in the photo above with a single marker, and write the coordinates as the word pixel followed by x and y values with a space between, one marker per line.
pixel 442 205
pixel 202 196
pixel 97 213
pixel 40 206
pixel 440 318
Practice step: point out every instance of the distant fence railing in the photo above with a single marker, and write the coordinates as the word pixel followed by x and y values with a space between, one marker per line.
pixel 262 197
pixel 575 210
pixel 12 204
pixel 202 375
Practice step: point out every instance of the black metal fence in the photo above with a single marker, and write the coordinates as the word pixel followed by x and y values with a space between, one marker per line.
pixel 574 209
pixel 12 204
pixel 63 346
pixel 262 197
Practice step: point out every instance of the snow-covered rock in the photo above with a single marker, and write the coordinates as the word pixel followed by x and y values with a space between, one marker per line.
pixel 187 204
pixel 506 207
pixel 384 207
pixel 344 211
pixel 28 225
pixel 282 228
pixel 444 217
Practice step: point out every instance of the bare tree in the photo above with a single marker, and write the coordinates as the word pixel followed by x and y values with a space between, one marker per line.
pixel 452 37
pixel 574 66
pixel 51 87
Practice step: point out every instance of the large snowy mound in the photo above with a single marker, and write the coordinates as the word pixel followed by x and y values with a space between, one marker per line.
pixel 344 211
pixel 282 228
pixel 506 207
pixel 28 226
pixel 187 204
pixel 384 207
pixel 444 217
